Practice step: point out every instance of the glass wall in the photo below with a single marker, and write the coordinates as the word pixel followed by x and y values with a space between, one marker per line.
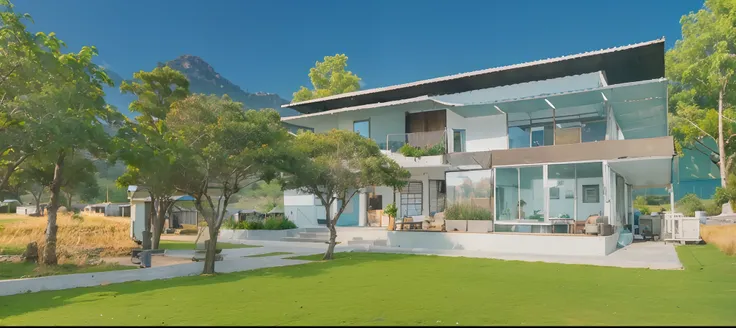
pixel 544 134
pixel 575 190
pixel 525 137
pixel 569 191
pixel 470 187
pixel 561 182
pixel 531 191
pixel 507 194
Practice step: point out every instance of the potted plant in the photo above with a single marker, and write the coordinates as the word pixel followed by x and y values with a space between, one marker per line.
pixel 480 219
pixel 391 210
pixel 456 218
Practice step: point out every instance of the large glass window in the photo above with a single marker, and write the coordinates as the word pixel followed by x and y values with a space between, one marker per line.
pixel 575 190
pixel 363 128
pixel 594 131
pixel 518 138
pixel 470 187
pixel 458 140
pixel 507 194
pixel 589 185
pixel 536 136
pixel 411 199
pixel 531 192
pixel 436 196
pixel 561 182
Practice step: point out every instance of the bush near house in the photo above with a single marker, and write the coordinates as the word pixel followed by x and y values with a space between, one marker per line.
pixel 411 151
pixel 689 204
pixel 278 222
pixel 467 211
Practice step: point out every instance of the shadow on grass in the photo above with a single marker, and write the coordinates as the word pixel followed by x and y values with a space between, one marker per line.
pixel 44 300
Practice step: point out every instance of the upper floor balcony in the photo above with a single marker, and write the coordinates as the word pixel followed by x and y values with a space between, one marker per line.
pixel 424 128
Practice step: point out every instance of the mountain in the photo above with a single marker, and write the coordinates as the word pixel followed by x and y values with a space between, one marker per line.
pixel 204 79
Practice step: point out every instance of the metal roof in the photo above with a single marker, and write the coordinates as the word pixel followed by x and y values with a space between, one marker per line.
pixel 634 62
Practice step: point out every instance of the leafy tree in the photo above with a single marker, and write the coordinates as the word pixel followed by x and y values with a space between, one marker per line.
pixel 141 144
pixel 329 77
pixel 79 179
pixel 220 150
pixel 701 66
pixel 60 100
pixel 334 166
pixel 24 68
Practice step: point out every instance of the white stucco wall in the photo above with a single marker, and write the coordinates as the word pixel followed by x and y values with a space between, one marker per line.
pixel 482 133
pixel 560 245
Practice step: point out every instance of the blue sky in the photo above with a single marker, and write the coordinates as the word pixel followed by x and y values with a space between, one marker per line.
pixel 270 45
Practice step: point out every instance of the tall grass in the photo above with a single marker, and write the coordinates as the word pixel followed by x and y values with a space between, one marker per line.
pixel 723 236
pixel 77 240
pixel 467 211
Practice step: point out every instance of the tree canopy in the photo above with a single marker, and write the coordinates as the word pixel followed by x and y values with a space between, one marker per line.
pixel 221 149
pixel 329 77
pixel 701 69
pixel 334 166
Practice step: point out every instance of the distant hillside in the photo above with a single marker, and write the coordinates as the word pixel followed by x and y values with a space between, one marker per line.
pixel 202 79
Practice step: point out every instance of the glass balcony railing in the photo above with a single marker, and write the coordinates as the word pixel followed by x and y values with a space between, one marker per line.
pixel 417 144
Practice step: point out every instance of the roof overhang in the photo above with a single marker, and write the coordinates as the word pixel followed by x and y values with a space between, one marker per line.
pixel 635 62
pixel 649 172
pixel 426 100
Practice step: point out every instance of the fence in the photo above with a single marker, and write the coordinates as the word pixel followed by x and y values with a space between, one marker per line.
pixel 677 227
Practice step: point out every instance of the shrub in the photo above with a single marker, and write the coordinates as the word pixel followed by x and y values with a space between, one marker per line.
pixel 713 209
pixel 390 210
pixel 467 211
pixel 230 223
pixel 278 223
pixel 640 201
pixel 689 204
pixel 411 151
pixel 722 196
pixel 644 210
pixel 253 225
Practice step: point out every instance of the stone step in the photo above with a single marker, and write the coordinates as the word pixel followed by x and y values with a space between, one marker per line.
pixel 314 235
pixel 318 229
pixel 378 242
pixel 304 240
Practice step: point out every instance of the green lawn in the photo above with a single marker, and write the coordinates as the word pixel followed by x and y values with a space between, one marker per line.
pixel 395 289
pixel 183 245
pixel 31 270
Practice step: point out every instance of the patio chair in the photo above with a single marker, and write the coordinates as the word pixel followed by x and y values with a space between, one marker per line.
pixel 434 223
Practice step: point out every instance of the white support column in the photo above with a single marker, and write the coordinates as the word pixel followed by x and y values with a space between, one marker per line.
pixel 425 194
pixel 362 208
pixel 545 189
pixel 672 199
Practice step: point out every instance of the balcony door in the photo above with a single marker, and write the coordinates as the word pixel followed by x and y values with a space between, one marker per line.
pixel 426 129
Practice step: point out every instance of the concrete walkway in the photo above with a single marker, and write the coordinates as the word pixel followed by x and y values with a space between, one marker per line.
pixel 650 255
pixel 18 286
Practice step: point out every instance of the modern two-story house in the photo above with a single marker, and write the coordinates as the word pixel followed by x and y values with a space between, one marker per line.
pixel 565 137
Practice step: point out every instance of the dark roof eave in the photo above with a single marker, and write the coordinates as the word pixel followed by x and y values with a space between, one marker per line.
pixel 644 61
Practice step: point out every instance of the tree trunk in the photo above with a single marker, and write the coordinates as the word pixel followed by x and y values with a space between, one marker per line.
pixel 49 253
pixel 333 236
pixel 210 252
pixel 158 223
pixel 37 199
pixel 721 146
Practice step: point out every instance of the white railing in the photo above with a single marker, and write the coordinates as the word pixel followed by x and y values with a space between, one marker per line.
pixel 678 227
